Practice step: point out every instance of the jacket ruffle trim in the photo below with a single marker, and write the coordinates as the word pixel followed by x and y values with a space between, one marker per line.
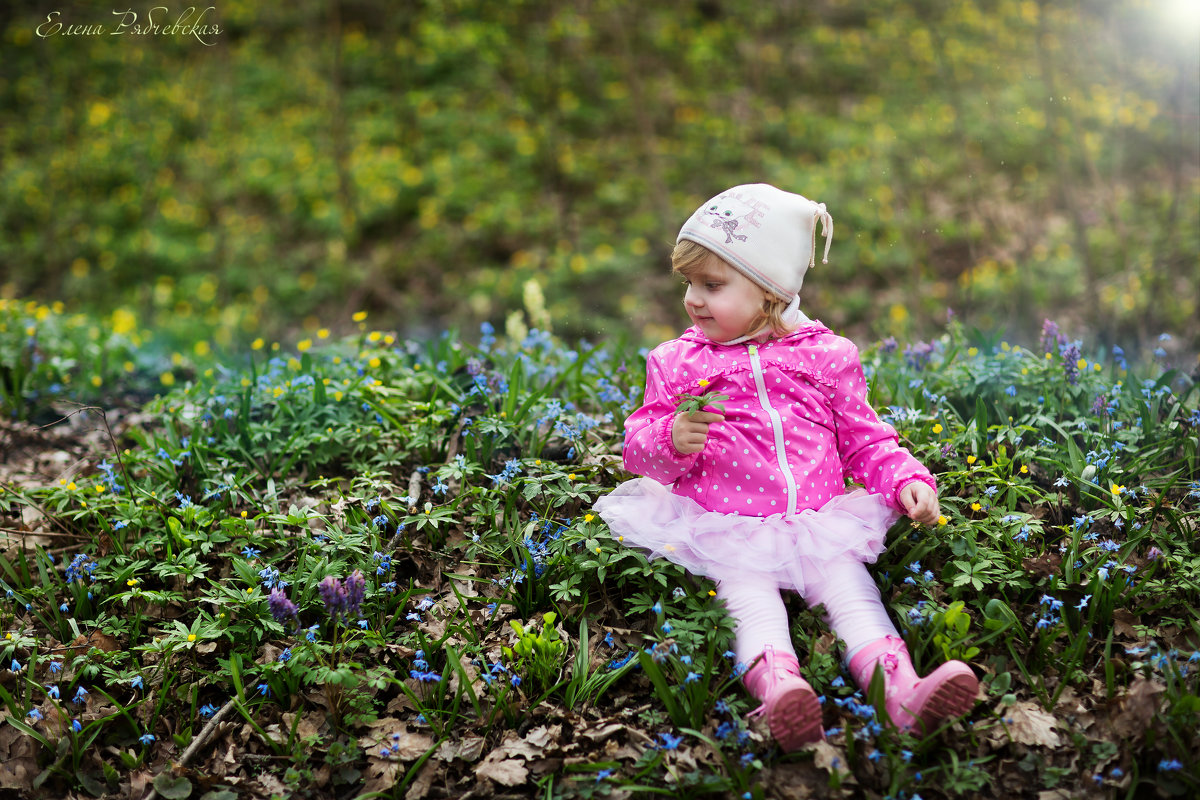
pixel 795 369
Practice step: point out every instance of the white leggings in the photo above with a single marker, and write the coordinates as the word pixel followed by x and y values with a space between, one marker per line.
pixel 853 609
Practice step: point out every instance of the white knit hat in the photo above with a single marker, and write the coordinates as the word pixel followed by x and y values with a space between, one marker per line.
pixel 765 233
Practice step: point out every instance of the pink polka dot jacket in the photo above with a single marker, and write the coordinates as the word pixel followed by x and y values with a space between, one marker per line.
pixel 797 424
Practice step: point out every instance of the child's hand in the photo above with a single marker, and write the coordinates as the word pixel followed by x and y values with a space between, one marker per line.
pixel 919 502
pixel 689 432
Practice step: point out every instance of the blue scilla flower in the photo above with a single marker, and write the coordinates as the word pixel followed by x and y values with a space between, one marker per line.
pixel 669 742
pixel 617 663
pixel 146 738
pixel 81 566
pixel 270 578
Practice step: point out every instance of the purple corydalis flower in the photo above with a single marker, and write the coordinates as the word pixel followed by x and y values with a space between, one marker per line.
pixel 333 593
pixel 356 591
pixel 1071 354
pixel 1052 339
pixel 282 609
pixel 343 599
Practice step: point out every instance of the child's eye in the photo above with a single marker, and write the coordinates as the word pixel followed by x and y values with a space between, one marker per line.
pixel 712 286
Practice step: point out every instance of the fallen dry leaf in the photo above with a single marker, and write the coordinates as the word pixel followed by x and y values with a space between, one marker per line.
pixel 420 787
pixel 101 641
pixel 1138 707
pixel 509 772
pixel 380 775
pixel 828 757
pixel 1029 724
pixel 18 759
pixel 468 749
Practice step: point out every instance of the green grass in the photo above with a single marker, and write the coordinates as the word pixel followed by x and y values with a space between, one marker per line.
pixel 501 622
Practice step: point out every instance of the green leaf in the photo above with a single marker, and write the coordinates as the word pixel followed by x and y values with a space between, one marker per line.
pixel 219 794
pixel 172 787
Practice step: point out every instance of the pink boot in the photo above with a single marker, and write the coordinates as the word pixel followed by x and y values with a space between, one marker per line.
pixel 789 703
pixel 912 702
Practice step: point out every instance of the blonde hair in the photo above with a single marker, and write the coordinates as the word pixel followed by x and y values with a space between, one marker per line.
pixel 688 258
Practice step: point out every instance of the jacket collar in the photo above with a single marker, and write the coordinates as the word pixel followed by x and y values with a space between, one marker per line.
pixel 810 328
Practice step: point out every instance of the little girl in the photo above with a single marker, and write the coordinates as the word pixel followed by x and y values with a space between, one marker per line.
pixel 755 497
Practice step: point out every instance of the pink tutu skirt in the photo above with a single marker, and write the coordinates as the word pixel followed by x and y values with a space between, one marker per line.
pixel 780 549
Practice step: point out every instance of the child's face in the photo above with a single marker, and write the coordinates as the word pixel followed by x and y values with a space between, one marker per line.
pixel 721 301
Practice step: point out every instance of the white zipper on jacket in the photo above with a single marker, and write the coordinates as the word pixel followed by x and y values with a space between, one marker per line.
pixel 776 426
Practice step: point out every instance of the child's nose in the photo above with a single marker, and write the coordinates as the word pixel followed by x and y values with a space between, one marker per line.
pixel 692 298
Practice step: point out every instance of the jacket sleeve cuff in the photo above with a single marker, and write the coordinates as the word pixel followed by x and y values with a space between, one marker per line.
pixel 926 479
pixel 664 443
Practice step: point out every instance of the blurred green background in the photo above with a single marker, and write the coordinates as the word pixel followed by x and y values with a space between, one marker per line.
pixel 442 164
